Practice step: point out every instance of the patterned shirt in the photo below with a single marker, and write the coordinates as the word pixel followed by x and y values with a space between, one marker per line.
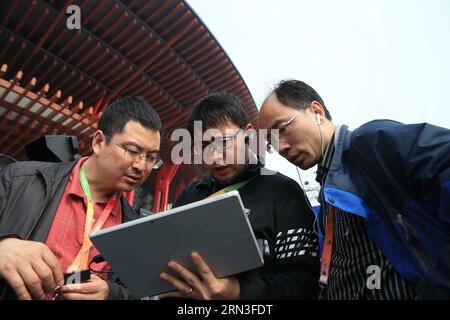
pixel 359 269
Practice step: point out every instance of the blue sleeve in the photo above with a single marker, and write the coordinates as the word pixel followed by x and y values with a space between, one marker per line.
pixel 412 159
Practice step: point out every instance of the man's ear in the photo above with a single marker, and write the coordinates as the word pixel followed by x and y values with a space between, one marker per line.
pixel 249 132
pixel 249 126
pixel 317 108
pixel 98 141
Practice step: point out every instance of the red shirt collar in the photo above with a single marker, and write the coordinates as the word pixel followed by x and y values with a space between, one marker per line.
pixel 74 186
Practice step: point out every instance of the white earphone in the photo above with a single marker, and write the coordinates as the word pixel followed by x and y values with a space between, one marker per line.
pixel 318 118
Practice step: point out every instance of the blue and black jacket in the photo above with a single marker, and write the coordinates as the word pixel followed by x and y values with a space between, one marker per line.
pixel 397 177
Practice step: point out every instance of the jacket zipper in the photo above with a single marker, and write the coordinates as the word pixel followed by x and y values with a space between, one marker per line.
pixel 411 238
pixel 43 208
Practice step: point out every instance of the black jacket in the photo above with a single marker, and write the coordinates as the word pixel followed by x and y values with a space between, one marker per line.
pixel 30 193
pixel 279 214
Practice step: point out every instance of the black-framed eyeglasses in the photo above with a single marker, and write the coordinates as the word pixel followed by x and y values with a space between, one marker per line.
pixel 135 156
pixel 219 144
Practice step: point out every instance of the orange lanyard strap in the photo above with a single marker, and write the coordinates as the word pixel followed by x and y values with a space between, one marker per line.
pixel 327 248
pixel 81 260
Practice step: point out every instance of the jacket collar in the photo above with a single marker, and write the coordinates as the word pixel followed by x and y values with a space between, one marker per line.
pixel 251 170
pixel 324 165
pixel 55 173
pixel 60 172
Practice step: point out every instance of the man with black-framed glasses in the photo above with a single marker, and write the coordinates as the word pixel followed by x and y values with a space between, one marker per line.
pixel 47 210
pixel 277 211
pixel 218 143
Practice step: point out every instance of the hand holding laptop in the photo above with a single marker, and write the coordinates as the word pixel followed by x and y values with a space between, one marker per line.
pixel 204 286
pixel 217 228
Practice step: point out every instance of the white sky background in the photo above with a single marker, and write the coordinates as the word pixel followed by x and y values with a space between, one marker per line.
pixel 367 59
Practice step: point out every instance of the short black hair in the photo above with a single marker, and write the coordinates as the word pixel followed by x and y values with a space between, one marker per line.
pixel 125 109
pixel 298 95
pixel 216 109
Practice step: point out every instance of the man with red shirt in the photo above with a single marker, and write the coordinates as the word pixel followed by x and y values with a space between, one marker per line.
pixel 47 210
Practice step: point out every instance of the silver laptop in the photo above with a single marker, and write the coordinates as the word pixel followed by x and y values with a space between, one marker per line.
pixel 218 228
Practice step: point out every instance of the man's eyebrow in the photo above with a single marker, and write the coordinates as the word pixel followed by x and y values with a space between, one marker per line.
pixel 276 124
pixel 132 143
pixel 214 138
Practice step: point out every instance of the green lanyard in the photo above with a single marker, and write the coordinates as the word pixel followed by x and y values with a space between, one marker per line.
pixel 85 184
pixel 81 260
pixel 233 187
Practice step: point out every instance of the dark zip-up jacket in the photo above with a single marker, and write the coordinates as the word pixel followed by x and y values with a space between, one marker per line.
pixel 30 193
pixel 280 215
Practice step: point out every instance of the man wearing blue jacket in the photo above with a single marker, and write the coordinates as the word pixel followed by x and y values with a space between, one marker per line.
pixel 385 214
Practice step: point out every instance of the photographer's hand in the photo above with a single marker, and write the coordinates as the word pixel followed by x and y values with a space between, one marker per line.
pixel 29 267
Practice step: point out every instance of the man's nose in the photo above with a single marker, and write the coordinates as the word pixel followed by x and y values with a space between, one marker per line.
pixel 216 155
pixel 141 165
pixel 283 147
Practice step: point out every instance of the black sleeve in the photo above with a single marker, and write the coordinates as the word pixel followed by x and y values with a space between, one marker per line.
pixel 118 292
pixel 181 200
pixel 5 186
pixel 4 190
pixel 191 193
pixel 291 271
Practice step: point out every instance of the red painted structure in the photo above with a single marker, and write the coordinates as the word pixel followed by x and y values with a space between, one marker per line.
pixel 59 81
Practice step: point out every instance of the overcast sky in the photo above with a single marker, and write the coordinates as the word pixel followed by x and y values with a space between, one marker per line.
pixel 367 59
